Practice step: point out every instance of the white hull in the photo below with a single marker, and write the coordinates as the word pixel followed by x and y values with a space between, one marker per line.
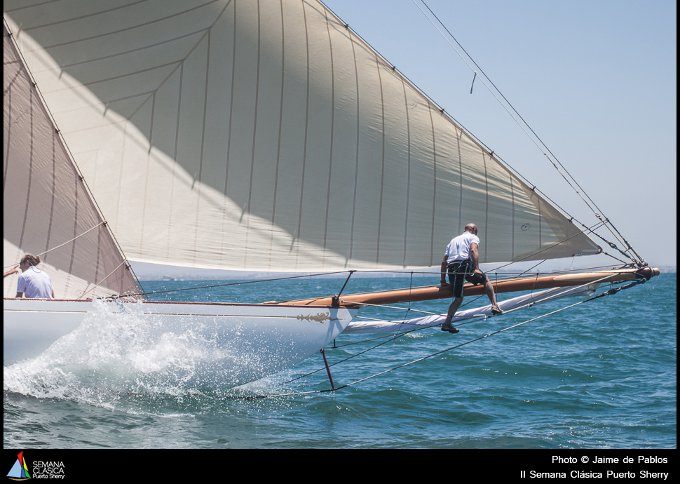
pixel 234 343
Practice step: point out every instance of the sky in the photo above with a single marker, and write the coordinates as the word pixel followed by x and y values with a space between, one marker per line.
pixel 596 80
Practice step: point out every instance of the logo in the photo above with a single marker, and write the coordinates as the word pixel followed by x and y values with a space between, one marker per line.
pixel 48 469
pixel 19 471
pixel 320 317
pixel 41 469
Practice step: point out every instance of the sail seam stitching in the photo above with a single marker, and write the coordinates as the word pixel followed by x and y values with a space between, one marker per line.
pixel 408 170
pixel 252 158
pixel 382 161
pixel 332 138
pixel 280 135
pixel 30 172
pixel 145 24
pixel 296 239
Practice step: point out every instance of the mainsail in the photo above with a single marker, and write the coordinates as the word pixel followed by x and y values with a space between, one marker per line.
pixel 267 135
pixel 47 208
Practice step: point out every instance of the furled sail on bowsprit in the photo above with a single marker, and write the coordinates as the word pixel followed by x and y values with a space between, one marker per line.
pixel 47 208
pixel 266 135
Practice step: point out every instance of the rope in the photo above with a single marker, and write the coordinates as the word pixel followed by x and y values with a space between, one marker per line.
pixel 639 260
pixel 445 350
pixel 212 286
pixel 528 304
pixel 371 339
pixel 467 301
pixel 493 333
pixel 67 242
pixel 96 284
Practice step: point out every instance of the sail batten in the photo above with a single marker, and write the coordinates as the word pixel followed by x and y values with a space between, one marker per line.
pixel 268 136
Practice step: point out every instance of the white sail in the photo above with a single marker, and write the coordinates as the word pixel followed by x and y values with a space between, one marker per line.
pixel 266 135
pixel 47 208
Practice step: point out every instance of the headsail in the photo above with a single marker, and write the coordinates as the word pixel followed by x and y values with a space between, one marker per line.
pixel 48 210
pixel 266 135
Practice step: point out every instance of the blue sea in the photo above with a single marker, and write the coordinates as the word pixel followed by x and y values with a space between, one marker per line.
pixel 598 375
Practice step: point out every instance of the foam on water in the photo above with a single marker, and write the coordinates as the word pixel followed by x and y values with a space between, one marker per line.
pixel 121 353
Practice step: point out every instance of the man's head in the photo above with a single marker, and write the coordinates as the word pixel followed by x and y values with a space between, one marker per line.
pixel 28 260
pixel 472 228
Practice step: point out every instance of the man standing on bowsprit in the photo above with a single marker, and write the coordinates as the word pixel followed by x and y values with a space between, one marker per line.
pixel 461 262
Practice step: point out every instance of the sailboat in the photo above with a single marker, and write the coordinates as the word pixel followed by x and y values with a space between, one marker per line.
pixel 248 136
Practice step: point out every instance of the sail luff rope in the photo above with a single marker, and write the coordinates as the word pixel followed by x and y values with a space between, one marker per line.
pixel 566 175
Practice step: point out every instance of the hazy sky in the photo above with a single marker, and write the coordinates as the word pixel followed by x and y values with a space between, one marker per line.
pixel 596 79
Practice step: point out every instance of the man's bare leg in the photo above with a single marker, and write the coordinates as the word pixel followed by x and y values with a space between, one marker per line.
pixel 453 307
pixel 492 297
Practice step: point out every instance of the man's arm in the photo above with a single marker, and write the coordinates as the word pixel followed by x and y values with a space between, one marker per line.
pixel 474 255
pixel 443 271
pixel 13 270
pixel 21 286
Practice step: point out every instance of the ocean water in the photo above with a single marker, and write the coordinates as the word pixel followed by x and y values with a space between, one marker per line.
pixel 601 375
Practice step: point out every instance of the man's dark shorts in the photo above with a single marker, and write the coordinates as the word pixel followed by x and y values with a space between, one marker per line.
pixel 460 272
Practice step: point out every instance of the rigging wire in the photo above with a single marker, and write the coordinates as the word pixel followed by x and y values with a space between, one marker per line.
pixel 496 272
pixel 67 242
pixel 524 125
pixel 237 283
pixel 612 291
pixel 92 286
